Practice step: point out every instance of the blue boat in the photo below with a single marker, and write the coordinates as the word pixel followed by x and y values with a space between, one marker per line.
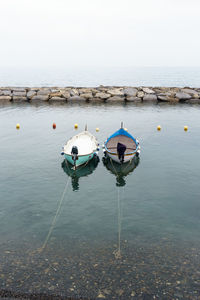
pixel 121 146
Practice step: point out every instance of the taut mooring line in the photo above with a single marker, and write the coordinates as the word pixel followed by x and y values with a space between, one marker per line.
pixel 117 253
pixel 55 217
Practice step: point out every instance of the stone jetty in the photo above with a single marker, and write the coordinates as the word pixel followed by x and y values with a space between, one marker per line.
pixel 107 94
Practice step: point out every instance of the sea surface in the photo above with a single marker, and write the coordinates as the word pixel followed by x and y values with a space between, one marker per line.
pixel 90 77
pixel 100 232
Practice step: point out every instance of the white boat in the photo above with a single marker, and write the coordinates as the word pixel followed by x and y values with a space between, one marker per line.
pixel 81 148
pixel 121 146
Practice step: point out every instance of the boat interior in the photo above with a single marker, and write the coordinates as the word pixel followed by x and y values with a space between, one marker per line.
pixel 125 140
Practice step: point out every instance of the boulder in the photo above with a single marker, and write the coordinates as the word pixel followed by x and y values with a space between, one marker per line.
pixel 163 98
pixel 102 95
pixel 150 98
pixel 170 94
pixel 65 94
pixel 115 92
pixel 5 93
pixel 173 99
pixel 33 89
pixel 189 91
pixel 19 99
pixel 133 99
pixel 183 96
pixel 193 101
pixel 76 99
pixel 95 99
pixel 44 92
pixel 18 89
pixel 87 95
pixel 74 92
pixel 55 94
pixel 30 94
pixel 57 99
pixel 19 94
pixel 5 98
pixel 102 88
pixel 148 91
pixel 85 90
pixel 130 92
pixel 140 94
pixel 40 98
pixel 55 90
pixel 115 99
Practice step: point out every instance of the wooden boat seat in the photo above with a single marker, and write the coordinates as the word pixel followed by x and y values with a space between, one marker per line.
pixel 127 141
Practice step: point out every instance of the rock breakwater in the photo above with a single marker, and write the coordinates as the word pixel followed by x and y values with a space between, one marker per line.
pixel 101 94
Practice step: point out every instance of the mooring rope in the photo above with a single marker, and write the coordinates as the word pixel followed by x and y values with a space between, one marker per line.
pixel 55 217
pixel 58 211
pixel 117 252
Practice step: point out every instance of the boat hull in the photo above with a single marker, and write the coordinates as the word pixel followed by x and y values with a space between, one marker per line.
pixel 82 159
pixel 116 159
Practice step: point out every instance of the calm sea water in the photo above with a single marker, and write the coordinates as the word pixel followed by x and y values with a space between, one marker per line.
pixel 152 214
pixel 54 76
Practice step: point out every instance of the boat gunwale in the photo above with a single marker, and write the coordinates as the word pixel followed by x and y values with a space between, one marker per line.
pixel 125 154
pixel 87 133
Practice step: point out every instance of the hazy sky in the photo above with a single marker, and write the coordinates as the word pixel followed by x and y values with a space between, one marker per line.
pixel 99 33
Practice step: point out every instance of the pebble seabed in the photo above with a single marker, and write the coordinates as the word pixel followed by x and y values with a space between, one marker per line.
pixel 73 269
pixel 91 270
pixel 101 94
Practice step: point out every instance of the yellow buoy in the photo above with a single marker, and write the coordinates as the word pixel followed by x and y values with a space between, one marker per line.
pixel 76 126
pixel 186 128
pixel 18 126
pixel 125 129
pixel 158 127
pixel 97 129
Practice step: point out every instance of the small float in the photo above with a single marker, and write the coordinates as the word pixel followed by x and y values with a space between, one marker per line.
pixel 121 146
pixel 81 148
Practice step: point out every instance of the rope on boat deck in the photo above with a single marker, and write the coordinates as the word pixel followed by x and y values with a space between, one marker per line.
pixel 55 218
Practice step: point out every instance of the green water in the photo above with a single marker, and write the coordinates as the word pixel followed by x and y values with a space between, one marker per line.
pixel 156 208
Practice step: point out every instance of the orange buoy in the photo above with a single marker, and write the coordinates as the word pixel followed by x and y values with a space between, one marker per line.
pixel 18 126
pixel 54 125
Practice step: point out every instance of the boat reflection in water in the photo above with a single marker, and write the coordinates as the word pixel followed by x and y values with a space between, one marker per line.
pixel 81 171
pixel 120 170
